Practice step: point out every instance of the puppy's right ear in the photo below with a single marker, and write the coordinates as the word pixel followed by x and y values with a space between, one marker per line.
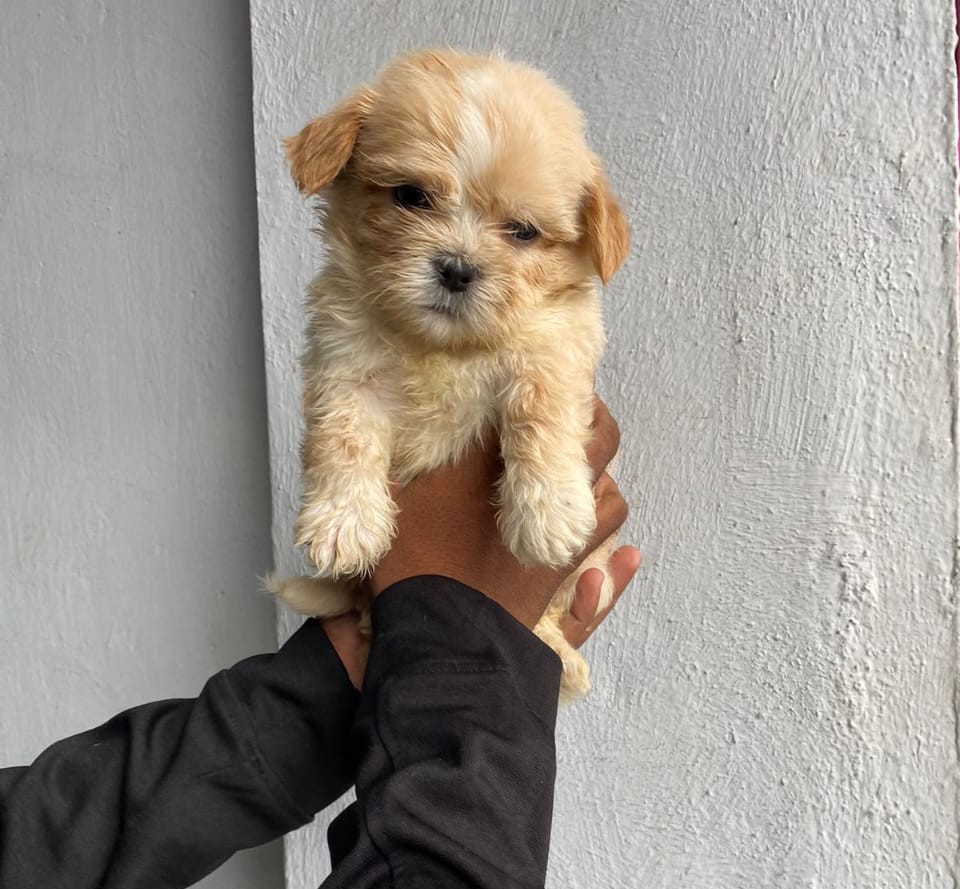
pixel 322 148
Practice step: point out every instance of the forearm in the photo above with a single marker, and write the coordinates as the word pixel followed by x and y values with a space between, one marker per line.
pixel 455 785
pixel 162 794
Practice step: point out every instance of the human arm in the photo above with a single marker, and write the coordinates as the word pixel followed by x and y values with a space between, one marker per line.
pixel 455 743
pixel 455 729
pixel 162 794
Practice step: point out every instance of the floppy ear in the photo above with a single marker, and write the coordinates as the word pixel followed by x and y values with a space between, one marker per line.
pixel 322 148
pixel 607 231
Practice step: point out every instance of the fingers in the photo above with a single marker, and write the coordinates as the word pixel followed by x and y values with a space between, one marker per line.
pixel 612 509
pixel 574 624
pixel 624 564
pixel 605 439
pixel 583 618
pixel 587 599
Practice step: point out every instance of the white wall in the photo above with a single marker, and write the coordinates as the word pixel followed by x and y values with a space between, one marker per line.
pixel 134 493
pixel 775 699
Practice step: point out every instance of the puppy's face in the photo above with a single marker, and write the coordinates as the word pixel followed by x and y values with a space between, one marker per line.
pixel 460 193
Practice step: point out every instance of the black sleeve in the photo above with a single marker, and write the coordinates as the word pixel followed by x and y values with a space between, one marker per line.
pixel 456 734
pixel 163 794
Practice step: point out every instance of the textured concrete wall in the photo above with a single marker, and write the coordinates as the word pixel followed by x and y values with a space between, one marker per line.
pixel 134 486
pixel 774 702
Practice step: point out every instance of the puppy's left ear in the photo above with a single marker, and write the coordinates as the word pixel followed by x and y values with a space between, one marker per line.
pixel 607 230
pixel 322 148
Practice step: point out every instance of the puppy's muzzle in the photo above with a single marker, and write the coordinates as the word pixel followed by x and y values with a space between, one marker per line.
pixel 454 272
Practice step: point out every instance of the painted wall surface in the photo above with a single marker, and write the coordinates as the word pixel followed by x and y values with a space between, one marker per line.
pixel 134 478
pixel 774 701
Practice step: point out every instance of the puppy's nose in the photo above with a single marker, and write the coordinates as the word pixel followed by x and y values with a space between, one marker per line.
pixel 455 273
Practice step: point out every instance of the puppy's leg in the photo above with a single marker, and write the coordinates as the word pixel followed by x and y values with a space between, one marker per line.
pixel 314 596
pixel 575 680
pixel 324 598
pixel 347 517
pixel 547 510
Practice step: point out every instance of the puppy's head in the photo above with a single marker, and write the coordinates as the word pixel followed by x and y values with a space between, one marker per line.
pixel 458 191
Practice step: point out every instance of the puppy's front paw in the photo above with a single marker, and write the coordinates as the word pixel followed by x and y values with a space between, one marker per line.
pixel 544 523
pixel 346 535
pixel 575 679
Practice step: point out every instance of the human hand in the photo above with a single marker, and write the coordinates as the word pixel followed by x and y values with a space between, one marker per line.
pixel 583 618
pixel 352 646
pixel 447 525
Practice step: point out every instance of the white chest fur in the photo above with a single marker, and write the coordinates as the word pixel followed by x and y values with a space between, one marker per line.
pixel 437 406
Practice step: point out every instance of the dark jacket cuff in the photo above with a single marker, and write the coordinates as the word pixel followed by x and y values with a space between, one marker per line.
pixel 480 630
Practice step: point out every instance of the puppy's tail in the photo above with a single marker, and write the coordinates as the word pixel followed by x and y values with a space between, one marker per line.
pixel 313 596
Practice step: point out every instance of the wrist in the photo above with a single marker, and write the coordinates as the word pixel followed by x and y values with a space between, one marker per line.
pixel 425 621
pixel 349 644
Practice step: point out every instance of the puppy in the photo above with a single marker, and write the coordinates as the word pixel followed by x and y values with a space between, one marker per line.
pixel 466 221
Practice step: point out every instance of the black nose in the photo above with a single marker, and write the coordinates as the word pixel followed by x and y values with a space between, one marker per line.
pixel 455 272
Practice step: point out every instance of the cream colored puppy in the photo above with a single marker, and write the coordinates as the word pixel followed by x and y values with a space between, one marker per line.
pixel 466 221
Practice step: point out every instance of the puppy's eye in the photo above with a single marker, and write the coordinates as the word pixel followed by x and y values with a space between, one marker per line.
pixel 410 197
pixel 522 231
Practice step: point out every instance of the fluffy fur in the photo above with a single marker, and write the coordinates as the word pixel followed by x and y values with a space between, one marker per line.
pixel 401 374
